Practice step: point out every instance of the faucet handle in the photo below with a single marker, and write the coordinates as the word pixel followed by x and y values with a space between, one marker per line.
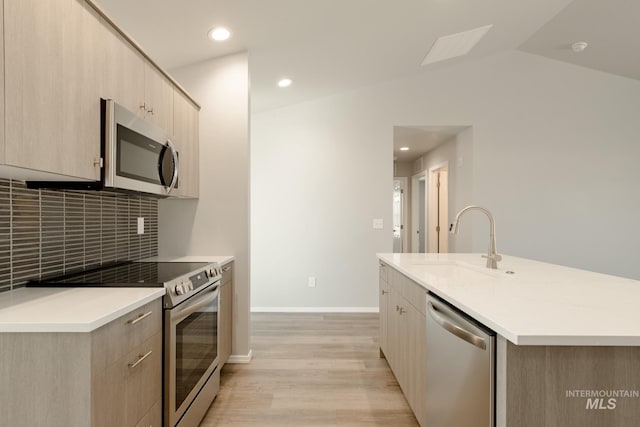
pixel 495 257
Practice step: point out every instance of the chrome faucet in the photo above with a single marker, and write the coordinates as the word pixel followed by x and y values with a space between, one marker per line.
pixel 492 257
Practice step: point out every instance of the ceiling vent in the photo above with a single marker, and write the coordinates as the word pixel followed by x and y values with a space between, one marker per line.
pixel 453 45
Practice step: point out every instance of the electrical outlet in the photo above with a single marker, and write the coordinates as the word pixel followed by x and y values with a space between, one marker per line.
pixel 140 225
pixel 378 224
pixel 311 282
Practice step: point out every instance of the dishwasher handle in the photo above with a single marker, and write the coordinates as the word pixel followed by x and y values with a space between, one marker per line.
pixel 456 330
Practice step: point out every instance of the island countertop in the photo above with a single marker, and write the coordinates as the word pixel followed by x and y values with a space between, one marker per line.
pixel 531 302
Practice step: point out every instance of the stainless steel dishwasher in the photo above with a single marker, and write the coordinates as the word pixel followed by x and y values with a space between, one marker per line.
pixel 460 368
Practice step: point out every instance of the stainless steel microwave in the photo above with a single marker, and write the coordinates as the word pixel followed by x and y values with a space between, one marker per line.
pixel 138 155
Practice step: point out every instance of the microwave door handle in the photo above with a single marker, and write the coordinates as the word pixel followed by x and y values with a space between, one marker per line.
pixel 174 154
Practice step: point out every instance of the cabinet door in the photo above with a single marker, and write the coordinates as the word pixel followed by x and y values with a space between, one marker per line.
pixel 226 313
pixel 415 346
pixel 394 331
pixel 186 133
pixel 123 71
pixel 52 76
pixel 158 98
pixel 384 313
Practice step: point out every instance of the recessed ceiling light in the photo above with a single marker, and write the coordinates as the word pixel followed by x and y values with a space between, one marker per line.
pixel 404 148
pixel 219 34
pixel 578 47
pixel 286 82
pixel 453 45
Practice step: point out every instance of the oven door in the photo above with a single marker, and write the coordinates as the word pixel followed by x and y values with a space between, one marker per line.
pixel 139 156
pixel 191 350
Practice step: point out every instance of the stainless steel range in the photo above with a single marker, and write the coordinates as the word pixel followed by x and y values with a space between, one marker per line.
pixel 191 306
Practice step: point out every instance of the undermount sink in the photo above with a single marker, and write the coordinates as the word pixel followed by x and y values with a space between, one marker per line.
pixel 456 269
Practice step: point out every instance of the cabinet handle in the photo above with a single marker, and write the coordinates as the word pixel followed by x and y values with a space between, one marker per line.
pixel 397 308
pixel 384 292
pixel 402 310
pixel 140 359
pixel 150 111
pixel 143 106
pixel 226 268
pixel 139 318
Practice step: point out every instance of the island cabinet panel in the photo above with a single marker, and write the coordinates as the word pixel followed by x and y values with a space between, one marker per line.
pixel 403 335
pixel 567 386
pixel 226 313
pixel 52 87
pixel 109 377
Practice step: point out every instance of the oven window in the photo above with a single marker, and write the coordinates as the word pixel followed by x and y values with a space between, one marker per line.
pixel 196 348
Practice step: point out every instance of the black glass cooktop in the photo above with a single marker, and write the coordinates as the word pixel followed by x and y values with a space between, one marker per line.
pixel 127 274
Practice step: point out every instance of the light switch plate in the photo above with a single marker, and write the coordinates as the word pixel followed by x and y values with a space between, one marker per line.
pixel 378 224
pixel 140 225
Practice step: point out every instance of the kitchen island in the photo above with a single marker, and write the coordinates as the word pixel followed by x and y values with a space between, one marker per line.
pixel 568 340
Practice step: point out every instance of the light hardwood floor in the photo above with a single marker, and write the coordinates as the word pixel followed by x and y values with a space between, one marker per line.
pixel 311 370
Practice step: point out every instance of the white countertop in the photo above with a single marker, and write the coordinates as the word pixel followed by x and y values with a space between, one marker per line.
pixel 540 304
pixel 69 309
pixel 220 259
pixel 79 309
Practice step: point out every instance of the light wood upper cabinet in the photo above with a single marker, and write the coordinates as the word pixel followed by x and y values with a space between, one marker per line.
pixel 186 132
pixel 158 100
pixel 60 58
pixel 123 71
pixel 52 87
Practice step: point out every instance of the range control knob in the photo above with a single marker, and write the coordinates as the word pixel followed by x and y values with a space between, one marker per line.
pixel 189 285
pixel 179 289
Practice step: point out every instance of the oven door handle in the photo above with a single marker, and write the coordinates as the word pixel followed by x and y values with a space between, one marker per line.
pixel 200 301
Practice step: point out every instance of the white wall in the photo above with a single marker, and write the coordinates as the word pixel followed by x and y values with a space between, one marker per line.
pixel 554 158
pixel 218 222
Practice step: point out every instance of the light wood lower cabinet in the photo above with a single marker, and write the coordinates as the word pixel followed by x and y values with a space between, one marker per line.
pixel 403 333
pixel 226 313
pixel 109 377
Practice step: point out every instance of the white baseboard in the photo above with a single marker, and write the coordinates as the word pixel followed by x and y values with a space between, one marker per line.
pixel 240 358
pixel 314 309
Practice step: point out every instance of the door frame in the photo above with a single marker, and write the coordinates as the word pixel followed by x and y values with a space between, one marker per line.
pixel 415 197
pixel 404 185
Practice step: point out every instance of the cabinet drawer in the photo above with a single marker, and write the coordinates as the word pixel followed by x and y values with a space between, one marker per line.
pixel 143 382
pixel 384 272
pixel 117 338
pixel 412 292
pixel 126 390
pixel 416 295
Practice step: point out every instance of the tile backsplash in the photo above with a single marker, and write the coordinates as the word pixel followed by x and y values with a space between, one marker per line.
pixel 50 232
